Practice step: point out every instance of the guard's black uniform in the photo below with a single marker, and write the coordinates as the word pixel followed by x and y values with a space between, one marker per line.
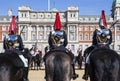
pixel 58 40
pixel 100 36
pixel 14 43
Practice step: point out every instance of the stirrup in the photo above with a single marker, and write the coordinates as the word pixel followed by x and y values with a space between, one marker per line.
pixel 75 76
pixel 85 77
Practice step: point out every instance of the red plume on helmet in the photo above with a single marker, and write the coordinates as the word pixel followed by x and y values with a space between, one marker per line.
pixel 102 22
pixel 57 24
pixel 13 27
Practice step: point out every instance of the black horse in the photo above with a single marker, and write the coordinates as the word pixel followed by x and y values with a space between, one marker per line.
pixel 10 70
pixel 36 61
pixel 58 66
pixel 104 65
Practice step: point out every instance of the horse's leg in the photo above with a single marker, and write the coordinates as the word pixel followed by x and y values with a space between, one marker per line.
pixel 37 64
pixel 80 63
pixel 34 64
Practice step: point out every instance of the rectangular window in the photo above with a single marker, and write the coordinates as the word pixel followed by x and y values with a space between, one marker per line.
pixel 34 28
pixel 91 36
pixel 86 46
pixel 80 37
pixel 72 32
pixel 33 37
pixel 86 28
pixel 48 28
pixel 92 28
pixel 118 27
pixel 41 37
pixel 80 28
pixel 86 37
pixel 73 47
pixel 24 36
pixel 41 28
pixel 3 28
pixel 118 47
pixel 80 46
pixel 3 36
pixel 118 37
pixel 24 32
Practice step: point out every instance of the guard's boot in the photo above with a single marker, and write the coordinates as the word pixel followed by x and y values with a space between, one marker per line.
pixel 25 74
pixel 85 76
pixel 74 76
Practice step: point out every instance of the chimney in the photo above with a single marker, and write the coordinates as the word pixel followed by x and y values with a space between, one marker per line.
pixel 9 12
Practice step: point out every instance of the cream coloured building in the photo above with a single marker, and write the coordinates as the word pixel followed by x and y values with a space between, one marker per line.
pixel 36 25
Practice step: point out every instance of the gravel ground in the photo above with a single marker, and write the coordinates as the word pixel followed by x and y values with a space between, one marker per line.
pixel 38 75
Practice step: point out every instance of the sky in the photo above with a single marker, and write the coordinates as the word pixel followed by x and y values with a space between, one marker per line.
pixel 86 7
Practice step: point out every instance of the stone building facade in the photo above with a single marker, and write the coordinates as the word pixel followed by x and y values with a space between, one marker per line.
pixel 34 26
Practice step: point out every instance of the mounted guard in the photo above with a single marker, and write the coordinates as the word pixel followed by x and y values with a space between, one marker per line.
pixel 102 38
pixel 13 43
pixel 58 41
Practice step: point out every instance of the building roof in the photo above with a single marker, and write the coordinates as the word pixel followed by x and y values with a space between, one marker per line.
pixel 117 1
pixel 5 18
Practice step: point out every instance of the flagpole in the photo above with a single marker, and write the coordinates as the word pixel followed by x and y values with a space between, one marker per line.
pixel 48 5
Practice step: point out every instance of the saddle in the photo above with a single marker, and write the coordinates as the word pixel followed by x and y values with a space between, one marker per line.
pixel 60 49
pixel 12 58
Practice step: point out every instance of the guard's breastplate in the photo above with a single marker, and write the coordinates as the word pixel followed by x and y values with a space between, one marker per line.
pixel 12 41
pixel 103 36
pixel 57 38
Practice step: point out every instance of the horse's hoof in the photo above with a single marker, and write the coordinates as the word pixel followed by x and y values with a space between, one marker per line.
pixel 85 77
pixel 75 76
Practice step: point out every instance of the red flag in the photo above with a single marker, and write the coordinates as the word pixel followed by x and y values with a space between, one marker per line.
pixel 102 21
pixel 57 24
pixel 13 26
